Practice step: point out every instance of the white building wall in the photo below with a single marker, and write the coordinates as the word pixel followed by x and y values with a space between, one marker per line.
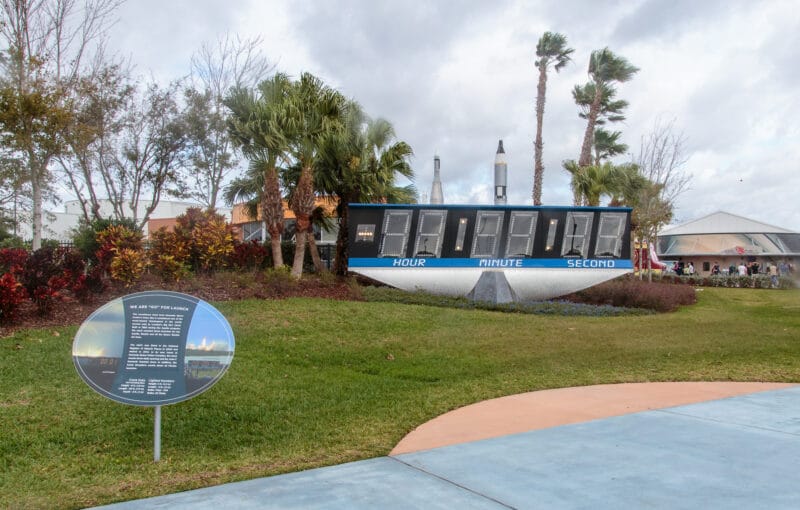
pixel 59 225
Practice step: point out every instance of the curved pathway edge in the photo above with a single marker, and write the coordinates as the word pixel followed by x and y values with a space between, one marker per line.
pixel 550 408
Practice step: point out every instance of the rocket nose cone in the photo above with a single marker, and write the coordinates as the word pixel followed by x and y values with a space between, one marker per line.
pixel 500 148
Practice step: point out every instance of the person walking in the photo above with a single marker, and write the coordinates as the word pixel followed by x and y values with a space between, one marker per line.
pixel 772 270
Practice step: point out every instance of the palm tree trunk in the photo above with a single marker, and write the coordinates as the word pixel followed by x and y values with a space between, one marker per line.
pixel 340 265
pixel 272 210
pixel 277 252
pixel 303 207
pixel 538 170
pixel 312 247
pixel 588 136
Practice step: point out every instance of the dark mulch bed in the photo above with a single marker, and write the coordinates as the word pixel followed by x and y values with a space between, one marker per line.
pixel 220 287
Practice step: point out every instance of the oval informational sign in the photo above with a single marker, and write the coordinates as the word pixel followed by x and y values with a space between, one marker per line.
pixel 153 348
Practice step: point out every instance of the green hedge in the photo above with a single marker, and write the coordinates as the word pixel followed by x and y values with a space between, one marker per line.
pixel 758 281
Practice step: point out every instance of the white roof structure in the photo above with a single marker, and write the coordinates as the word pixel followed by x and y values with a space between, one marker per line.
pixel 723 223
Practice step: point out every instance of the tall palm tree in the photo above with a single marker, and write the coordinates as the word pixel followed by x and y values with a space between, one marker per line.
pixel 360 164
pixel 312 112
pixel 551 50
pixel 256 126
pixel 605 69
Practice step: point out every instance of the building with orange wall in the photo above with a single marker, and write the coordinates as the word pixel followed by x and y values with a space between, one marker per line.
pixel 254 229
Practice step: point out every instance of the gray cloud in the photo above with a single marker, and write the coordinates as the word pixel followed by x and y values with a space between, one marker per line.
pixel 454 77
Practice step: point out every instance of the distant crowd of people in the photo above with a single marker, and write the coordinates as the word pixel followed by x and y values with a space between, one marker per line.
pixel 784 268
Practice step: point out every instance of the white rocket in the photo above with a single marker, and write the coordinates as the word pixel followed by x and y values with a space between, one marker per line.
pixel 436 189
pixel 500 175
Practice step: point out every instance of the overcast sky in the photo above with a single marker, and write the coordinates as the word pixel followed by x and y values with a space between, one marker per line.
pixel 454 77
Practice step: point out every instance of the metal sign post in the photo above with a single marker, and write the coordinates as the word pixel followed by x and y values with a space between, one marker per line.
pixel 157 435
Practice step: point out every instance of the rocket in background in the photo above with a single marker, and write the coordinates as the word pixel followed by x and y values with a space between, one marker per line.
pixel 436 189
pixel 500 176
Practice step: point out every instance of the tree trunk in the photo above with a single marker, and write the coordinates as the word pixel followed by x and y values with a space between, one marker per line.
pixel 312 247
pixel 340 265
pixel 299 253
pixel 538 170
pixel 272 212
pixel 588 136
pixel 641 259
pixel 36 188
pixel 277 252
pixel 303 206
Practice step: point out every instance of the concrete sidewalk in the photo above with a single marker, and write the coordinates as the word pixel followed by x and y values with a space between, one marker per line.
pixel 737 452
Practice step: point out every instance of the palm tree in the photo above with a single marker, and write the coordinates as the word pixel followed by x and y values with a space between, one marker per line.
pixel 611 110
pixel 551 49
pixel 590 183
pixel 607 145
pixel 360 164
pixel 605 69
pixel 256 126
pixel 312 112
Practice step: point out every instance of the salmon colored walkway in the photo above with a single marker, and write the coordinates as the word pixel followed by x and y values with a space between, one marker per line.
pixel 550 408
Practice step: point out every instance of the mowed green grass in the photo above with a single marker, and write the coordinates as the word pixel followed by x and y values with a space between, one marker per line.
pixel 317 382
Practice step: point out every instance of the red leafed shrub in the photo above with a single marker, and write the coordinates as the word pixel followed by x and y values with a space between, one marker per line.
pixel 635 293
pixel 94 280
pixel 49 271
pixel 72 264
pixel 250 255
pixel 12 259
pixel 43 277
pixel 12 295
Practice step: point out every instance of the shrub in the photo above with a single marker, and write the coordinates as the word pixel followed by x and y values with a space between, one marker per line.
pixel 12 295
pixel 208 236
pixel 212 243
pixel 128 265
pixel 563 308
pixel 634 293
pixel 43 277
pixel 279 280
pixel 72 264
pixel 169 254
pixel 94 280
pixel 756 281
pixel 12 242
pixel 113 240
pixel 250 255
pixel 84 236
pixel 12 260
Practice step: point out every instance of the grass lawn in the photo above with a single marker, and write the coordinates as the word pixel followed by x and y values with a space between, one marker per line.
pixel 317 382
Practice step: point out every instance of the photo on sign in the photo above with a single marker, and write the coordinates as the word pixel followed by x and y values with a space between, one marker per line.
pixel 99 345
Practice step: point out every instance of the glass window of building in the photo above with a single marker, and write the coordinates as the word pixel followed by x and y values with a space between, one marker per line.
pixel 396 225
pixel 521 230
pixel 488 226
pixel 429 233
pixel 609 235
pixel 252 231
pixel 576 234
